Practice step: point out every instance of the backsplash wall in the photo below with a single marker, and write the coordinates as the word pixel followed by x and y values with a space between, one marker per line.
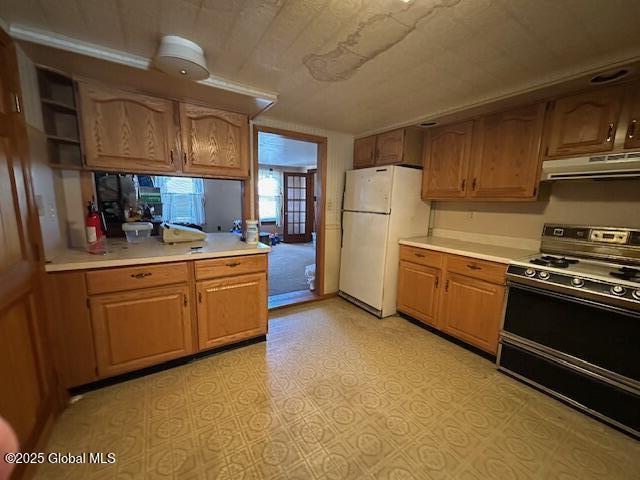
pixel 611 202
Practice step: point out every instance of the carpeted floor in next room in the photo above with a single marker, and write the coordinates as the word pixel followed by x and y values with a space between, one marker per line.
pixel 286 267
pixel 333 394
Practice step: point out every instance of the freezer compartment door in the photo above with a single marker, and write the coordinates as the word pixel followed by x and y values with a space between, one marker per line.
pixel 368 190
pixel 364 245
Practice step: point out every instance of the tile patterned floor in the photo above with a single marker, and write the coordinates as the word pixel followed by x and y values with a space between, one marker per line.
pixel 337 394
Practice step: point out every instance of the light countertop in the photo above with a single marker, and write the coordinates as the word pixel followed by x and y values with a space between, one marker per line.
pixel 120 253
pixel 482 251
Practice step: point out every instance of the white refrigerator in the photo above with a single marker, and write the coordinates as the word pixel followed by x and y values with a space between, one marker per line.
pixel 381 205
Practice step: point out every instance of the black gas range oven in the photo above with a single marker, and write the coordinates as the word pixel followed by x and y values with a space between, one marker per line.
pixel 572 321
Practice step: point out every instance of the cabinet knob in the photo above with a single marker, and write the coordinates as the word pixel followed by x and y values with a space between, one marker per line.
pixel 171 155
pixel 232 264
pixel 419 255
pixel 632 128
pixel 184 157
pixel 463 184
pixel 610 132
pixel 473 184
pixel 473 267
pixel 446 286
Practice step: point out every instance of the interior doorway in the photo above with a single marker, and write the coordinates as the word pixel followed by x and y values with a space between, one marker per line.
pixel 289 206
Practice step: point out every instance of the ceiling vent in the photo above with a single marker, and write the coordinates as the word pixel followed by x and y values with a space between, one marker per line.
pixel 182 58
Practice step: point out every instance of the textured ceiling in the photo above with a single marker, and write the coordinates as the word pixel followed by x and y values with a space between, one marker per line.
pixel 278 150
pixel 360 65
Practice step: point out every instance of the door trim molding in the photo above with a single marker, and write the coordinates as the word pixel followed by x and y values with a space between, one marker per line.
pixel 321 166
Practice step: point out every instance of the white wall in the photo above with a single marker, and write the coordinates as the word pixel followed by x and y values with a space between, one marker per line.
pixel 339 160
pixel 48 184
pixel 222 204
pixel 605 203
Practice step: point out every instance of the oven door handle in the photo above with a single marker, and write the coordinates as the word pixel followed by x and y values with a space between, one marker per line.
pixel 569 298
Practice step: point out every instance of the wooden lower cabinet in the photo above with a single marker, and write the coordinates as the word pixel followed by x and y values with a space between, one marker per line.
pixel 471 310
pixel 140 328
pixel 418 291
pixel 462 296
pixel 72 332
pixel 231 309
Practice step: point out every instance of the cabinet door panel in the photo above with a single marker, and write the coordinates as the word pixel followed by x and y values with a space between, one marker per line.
pixel 364 152
pixel 390 147
pixel 20 369
pixel 214 141
pixel 418 288
pixel 505 162
pixel 585 122
pixel 140 328
pixel 446 162
pixel 231 309
pixel 471 310
pixel 127 131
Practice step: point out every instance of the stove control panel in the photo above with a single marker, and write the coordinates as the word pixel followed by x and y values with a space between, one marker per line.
pixel 572 285
pixel 619 237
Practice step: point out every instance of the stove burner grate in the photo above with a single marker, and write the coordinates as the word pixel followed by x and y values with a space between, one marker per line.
pixel 556 262
pixel 627 273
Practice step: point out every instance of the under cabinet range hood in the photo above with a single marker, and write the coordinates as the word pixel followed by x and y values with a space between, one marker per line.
pixel 615 165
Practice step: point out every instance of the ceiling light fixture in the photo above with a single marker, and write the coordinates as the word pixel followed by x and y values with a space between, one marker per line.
pixel 610 76
pixel 180 57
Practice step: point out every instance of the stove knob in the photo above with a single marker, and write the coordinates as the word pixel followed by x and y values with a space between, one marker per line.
pixel 577 282
pixel 544 275
pixel 618 290
pixel 636 294
pixel 530 272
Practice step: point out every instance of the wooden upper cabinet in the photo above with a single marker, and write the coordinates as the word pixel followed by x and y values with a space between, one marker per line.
pixel 584 123
pixel 446 161
pixel 632 135
pixel 214 142
pixel 505 153
pixel 397 147
pixel 390 147
pixel 126 131
pixel 364 152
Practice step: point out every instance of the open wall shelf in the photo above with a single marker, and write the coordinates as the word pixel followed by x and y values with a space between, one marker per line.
pixel 60 117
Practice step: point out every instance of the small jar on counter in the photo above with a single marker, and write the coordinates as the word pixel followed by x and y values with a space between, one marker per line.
pixel 252 233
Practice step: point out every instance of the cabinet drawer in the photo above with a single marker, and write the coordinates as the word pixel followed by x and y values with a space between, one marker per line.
pixel 421 256
pixel 480 269
pixel 223 267
pixel 128 278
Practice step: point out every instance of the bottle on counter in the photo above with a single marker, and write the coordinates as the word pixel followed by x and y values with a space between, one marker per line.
pixel 252 235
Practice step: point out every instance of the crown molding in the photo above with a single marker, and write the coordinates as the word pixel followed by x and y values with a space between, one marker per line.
pixel 62 42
